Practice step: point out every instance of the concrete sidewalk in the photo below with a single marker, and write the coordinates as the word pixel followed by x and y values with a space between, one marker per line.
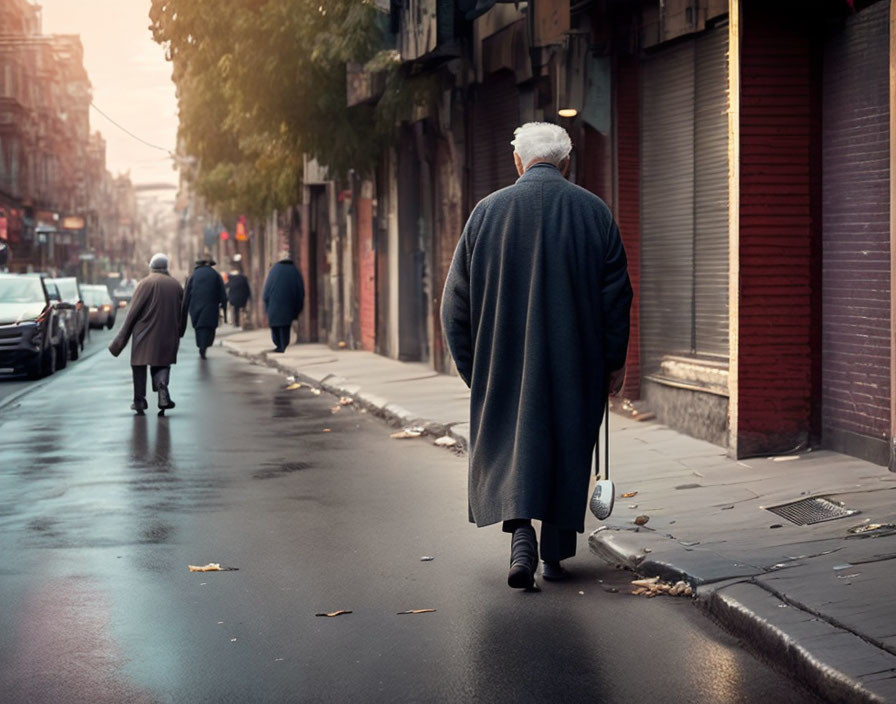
pixel 816 599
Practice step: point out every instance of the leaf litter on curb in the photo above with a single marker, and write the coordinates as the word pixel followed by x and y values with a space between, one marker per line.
pixel 642 520
pixel 333 614
pixel 416 611
pixel 445 441
pixel 652 586
pixel 629 494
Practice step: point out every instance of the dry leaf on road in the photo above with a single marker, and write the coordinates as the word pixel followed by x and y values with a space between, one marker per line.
pixel 642 520
pixel 629 494
pixel 331 614
pixel 416 611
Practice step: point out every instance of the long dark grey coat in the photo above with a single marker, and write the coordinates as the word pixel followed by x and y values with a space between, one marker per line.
pixel 536 313
pixel 284 294
pixel 154 320
pixel 203 296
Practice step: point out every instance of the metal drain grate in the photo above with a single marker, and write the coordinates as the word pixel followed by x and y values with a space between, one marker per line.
pixel 815 510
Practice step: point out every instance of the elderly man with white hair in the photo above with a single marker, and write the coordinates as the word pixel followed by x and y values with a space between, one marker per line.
pixel 155 322
pixel 536 314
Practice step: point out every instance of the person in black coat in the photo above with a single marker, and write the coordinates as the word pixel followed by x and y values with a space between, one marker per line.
pixel 284 296
pixel 536 314
pixel 204 295
pixel 238 293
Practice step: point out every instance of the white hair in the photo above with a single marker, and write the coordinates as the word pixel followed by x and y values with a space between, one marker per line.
pixel 159 262
pixel 541 141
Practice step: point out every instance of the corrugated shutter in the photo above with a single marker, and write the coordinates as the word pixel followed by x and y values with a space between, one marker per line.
pixel 711 196
pixel 856 259
pixel 667 204
pixel 497 115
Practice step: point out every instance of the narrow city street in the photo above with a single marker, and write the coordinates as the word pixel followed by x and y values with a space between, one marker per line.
pixel 102 512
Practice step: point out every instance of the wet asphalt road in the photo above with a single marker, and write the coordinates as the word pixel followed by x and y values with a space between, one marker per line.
pixel 101 512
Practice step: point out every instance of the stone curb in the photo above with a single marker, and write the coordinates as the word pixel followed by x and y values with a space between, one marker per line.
pixel 392 413
pixel 801 643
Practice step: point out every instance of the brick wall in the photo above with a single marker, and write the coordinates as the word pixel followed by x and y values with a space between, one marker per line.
pixel 778 241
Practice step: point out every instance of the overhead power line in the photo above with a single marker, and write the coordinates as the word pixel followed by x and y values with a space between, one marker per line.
pixel 131 134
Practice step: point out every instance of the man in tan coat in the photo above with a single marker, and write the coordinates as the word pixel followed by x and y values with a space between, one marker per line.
pixel 156 324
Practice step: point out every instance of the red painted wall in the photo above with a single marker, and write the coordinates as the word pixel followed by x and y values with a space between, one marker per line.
pixel 778 235
pixel 628 208
pixel 366 274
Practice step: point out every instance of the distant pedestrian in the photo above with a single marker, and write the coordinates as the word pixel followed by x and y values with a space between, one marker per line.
pixel 238 293
pixel 203 298
pixel 154 320
pixel 536 313
pixel 284 296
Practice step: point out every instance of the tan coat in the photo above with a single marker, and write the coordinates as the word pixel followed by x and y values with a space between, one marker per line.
pixel 154 320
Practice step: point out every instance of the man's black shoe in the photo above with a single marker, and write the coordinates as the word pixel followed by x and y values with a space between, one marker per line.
pixel 164 399
pixel 139 405
pixel 554 572
pixel 523 558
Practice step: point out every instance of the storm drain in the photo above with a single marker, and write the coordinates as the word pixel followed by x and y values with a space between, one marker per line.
pixel 815 510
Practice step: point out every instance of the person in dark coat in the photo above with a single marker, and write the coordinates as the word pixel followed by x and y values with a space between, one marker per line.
pixel 203 297
pixel 238 293
pixel 536 314
pixel 284 296
pixel 155 322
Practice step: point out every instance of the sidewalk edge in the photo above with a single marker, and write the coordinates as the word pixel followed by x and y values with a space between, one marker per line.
pixel 744 621
pixel 392 413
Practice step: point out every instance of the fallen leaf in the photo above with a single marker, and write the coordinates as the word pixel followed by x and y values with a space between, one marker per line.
pixel 316 392
pixel 210 567
pixel 331 614
pixel 629 494
pixel 326 430
pixel 416 611
pixel 406 433
pixel 293 386
pixel 641 520
pixel 335 409
pixel 345 401
pixel 427 558
pixel 445 441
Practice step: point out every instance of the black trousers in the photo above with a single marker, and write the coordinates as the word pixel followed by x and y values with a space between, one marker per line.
pixel 160 375
pixel 555 544
pixel 280 336
pixel 236 316
pixel 205 338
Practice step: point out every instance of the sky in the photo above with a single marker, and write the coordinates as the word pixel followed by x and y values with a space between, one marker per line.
pixel 131 82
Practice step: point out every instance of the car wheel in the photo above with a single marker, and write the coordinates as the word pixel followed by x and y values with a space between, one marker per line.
pixel 48 361
pixel 74 350
pixel 62 354
pixel 35 367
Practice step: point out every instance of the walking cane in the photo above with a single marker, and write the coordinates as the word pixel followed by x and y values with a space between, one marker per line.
pixel 604 494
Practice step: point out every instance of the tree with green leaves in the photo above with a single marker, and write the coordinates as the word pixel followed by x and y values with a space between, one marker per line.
pixel 260 82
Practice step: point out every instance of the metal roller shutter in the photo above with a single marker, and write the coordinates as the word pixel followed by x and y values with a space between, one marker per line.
pixel 856 259
pixel 711 196
pixel 496 115
pixel 667 204
pixel 684 201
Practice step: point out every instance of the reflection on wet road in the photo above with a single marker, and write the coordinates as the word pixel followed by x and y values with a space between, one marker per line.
pixel 102 511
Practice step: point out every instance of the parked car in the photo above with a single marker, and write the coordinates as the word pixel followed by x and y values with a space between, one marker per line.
pixel 70 291
pixel 102 309
pixel 66 312
pixel 32 331
pixel 123 292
